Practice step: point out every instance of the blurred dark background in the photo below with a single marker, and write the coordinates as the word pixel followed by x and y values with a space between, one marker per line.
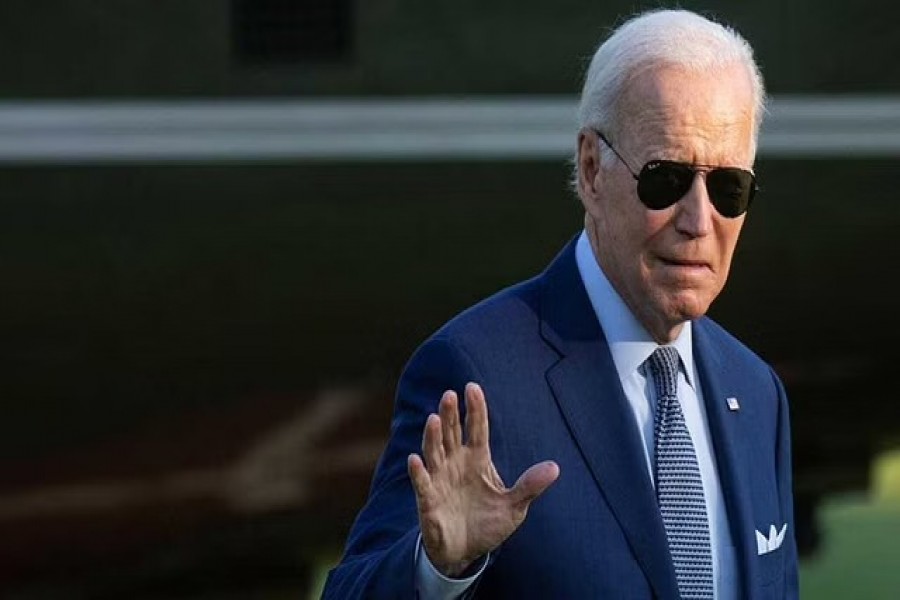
pixel 199 348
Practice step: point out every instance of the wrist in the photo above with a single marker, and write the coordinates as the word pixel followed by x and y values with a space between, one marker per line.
pixel 453 570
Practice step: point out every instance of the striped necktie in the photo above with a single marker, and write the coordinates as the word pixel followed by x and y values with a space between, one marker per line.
pixel 679 488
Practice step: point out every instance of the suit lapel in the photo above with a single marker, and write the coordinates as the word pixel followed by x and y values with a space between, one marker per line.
pixel 727 429
pixel 590 396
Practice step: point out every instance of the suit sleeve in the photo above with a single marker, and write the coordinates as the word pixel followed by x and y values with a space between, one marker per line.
pixel 785 491
pixel 379 560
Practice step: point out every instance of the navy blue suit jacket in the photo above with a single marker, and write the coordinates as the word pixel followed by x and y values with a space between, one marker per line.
pixel 553 392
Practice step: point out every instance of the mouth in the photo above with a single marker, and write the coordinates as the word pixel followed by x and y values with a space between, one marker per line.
pixel 678 262
pixel 685 265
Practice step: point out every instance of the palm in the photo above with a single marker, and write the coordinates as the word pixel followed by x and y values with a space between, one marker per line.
pixel 465 510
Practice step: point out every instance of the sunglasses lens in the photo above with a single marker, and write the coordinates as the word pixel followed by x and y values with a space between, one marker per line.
pixel 662 183
pixel 731 190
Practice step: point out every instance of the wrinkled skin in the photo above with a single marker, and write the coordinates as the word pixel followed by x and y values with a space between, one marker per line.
pixel 668 265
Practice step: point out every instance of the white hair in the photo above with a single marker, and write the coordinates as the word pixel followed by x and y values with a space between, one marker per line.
pixel 660 38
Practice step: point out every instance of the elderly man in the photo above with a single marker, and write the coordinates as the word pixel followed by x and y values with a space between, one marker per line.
pixel 665 442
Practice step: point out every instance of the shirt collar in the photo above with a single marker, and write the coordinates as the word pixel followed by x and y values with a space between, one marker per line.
pixel 629 343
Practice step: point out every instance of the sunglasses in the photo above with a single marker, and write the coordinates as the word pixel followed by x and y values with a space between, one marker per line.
pixel 662 183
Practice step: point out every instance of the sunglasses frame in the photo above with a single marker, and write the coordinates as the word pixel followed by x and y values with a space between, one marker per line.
pixel 694 169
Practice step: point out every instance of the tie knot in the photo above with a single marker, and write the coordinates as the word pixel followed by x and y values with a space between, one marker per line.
pixel 664 366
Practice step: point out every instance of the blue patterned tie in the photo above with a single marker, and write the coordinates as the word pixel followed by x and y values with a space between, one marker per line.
pixel 679 489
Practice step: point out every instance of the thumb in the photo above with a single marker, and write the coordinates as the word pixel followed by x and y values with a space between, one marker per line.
pixel 533 482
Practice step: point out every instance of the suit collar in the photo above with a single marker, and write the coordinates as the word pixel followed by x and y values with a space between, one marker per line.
pixel 587 389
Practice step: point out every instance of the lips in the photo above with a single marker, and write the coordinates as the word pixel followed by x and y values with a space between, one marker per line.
pixel 679 262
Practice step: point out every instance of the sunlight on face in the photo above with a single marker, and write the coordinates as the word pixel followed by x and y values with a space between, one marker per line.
pixel 669 265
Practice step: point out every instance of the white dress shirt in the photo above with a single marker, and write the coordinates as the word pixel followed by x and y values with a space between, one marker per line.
pixel 630 346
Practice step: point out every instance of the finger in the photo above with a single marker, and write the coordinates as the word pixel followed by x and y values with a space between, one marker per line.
pixel 418 474
pixel 476 416
pixel 451 430
pixel 533 483
pixel 432 445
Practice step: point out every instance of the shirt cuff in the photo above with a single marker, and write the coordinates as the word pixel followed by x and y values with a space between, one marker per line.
pixel 431 584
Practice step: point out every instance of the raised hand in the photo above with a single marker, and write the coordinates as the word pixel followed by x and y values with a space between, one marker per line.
pixel 465 510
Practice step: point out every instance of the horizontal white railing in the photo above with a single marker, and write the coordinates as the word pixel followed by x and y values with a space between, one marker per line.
pixel 407 129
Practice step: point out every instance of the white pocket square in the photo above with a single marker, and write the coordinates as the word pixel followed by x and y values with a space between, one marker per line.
pixel 773 542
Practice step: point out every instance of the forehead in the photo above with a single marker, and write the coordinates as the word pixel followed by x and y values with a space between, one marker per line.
pixel 702 117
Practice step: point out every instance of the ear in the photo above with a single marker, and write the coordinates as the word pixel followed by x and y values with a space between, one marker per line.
pixel 588 165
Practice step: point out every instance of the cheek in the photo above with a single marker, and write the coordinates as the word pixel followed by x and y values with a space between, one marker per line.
pixel 654 222
pixel 728 237
pixel 654 231
pixel 639 231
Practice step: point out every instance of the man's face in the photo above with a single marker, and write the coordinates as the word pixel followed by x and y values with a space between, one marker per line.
pixel 670 264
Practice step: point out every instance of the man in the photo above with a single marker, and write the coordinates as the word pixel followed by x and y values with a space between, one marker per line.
pixel 650 449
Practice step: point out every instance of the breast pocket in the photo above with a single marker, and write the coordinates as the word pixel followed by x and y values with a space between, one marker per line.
pixel 771 566
pixel 770 553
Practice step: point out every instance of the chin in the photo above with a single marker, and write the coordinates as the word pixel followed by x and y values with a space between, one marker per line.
pixel 687 306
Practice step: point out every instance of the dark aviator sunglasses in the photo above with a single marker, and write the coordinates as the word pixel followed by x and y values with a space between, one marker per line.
pixel 662 183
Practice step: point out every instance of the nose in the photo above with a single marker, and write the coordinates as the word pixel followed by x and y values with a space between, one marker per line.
pixel 694 216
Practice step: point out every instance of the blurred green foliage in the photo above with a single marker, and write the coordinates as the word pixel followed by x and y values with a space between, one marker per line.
pixel 859 557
